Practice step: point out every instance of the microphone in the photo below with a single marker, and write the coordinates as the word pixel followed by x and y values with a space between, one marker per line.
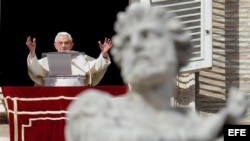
pixel 90 75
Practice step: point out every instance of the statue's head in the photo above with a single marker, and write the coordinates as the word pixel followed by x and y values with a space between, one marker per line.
pixel 150 44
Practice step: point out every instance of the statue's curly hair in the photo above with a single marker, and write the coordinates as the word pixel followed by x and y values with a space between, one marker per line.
pixel 137 13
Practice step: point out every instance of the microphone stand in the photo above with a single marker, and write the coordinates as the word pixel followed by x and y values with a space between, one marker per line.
pixel 90 75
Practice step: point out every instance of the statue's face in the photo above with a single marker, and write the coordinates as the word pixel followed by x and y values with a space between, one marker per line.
pixel 148 55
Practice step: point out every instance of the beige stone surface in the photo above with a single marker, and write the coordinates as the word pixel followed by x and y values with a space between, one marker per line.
pixel 4 132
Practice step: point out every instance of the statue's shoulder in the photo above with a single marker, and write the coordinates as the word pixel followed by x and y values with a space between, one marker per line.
pixel 90 102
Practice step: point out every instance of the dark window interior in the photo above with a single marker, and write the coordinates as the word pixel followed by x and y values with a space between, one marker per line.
pixel 87 22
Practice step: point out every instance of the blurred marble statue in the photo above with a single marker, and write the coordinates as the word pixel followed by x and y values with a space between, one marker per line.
pixel 150 46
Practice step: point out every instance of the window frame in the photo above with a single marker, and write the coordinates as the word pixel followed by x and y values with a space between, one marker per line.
pixel 205 59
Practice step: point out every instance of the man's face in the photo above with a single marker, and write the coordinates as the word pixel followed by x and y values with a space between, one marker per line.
pixel 149 55
pixel 63 43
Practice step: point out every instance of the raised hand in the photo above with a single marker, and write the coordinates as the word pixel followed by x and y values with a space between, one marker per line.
pixel 31 44
pixel 105 46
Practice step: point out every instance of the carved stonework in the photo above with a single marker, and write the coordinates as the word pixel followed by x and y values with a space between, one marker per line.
pixel 133 1
pixel 150 46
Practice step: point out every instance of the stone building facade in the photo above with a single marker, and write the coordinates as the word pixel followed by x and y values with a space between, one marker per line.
pixel 230 57
pixel 206 90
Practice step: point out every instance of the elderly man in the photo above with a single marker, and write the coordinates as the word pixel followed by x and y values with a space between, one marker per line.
pixel 81 65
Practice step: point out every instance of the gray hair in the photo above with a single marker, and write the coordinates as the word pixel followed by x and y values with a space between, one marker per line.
pixel 63 34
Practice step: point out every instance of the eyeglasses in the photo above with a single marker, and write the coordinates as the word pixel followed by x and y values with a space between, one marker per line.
pixel 61 43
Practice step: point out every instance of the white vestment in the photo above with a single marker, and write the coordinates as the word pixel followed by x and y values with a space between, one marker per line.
pixel 38 70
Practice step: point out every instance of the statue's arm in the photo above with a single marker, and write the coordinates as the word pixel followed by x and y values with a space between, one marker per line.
pixel 212 127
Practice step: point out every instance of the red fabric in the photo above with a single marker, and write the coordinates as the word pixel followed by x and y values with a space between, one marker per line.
pixel 40 112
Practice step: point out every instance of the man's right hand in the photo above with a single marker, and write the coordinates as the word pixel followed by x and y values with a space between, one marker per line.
pixel 31 44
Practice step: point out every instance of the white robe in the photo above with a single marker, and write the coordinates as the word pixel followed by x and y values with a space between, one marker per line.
pixel 38 70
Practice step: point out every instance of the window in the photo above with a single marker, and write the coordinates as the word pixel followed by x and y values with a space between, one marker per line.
pixel 196 15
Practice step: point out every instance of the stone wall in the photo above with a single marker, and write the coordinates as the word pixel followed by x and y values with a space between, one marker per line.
pixel 231 56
